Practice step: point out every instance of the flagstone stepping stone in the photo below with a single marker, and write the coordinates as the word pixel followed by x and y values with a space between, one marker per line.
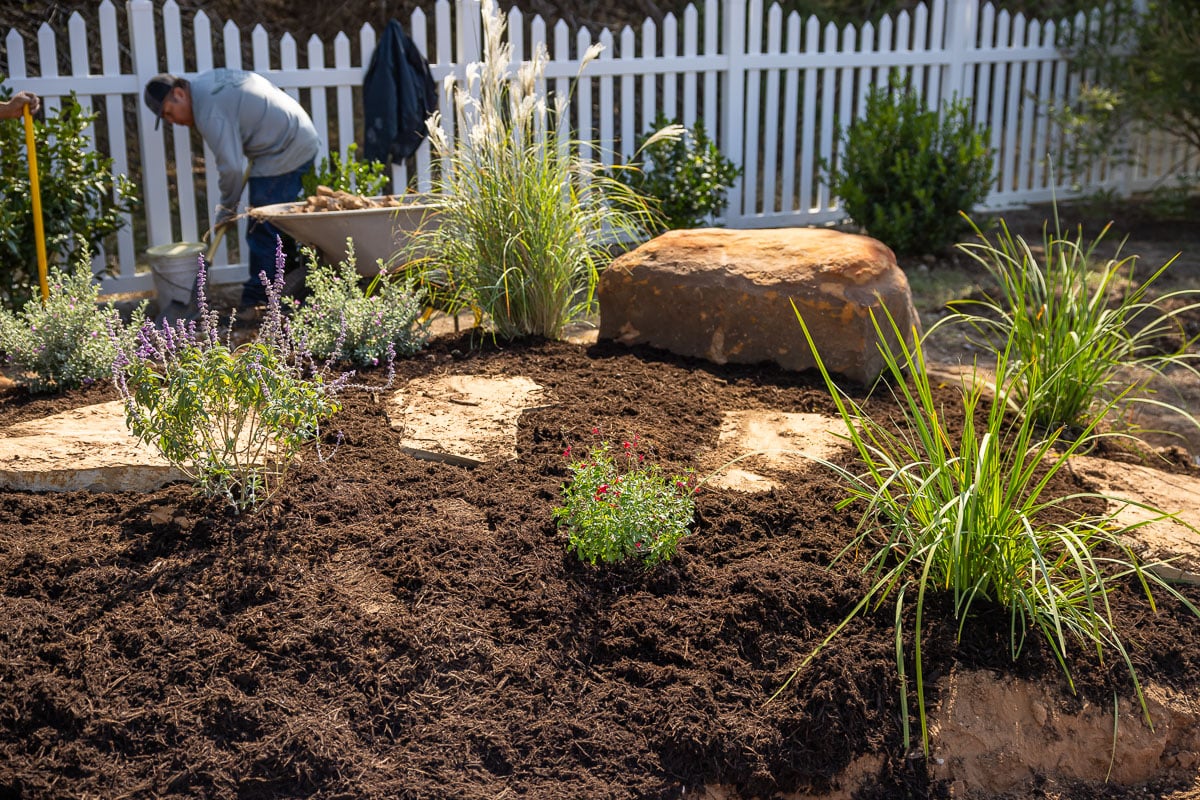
pixel 774 440
pixel 463 419
pixel 727 296
pixel 1165 540
pixel 88 448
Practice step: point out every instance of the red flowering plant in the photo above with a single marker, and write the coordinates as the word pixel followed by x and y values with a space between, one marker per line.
pixel 616 506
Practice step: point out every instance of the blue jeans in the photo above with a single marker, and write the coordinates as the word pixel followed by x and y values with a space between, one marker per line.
pixel 262 238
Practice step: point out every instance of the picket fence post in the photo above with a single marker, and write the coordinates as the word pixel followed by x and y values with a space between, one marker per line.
pixel 733 94
pixel 468 17
pixel 962 29
pixel 143 45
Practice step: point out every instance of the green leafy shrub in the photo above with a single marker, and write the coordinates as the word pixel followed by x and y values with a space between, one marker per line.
pixel 338 320
pixel 81 199
pixel 1074 331
pixel 970 515
pixel 905 174
pixel 687 176
pixel 615 507
pixel 68 340
pixel 231 418
pixel 524 222
pixel 367 178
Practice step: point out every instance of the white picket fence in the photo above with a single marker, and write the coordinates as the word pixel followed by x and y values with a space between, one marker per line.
pixel 771 90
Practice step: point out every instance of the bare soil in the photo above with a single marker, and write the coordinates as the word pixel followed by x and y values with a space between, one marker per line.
pixel 399 628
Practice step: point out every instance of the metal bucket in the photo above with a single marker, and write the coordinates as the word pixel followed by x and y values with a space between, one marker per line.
pixel 174 267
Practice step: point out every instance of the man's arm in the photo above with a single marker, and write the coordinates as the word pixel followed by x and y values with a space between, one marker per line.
pixel 222 138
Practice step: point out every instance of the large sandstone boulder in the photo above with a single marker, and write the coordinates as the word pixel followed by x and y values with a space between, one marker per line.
pixel 726 295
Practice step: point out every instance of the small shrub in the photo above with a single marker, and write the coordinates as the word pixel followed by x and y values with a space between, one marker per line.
pixel 615 507
pixel 338 320
pixel 967 514
pixel 687 176
pixel 68 340
pixel 524 222
pixel 905 174
pixel 1074 331
pixel 82 202
pixel 367 178
pixel 232 419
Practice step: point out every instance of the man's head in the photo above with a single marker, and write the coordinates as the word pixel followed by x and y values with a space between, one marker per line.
pixel 170 98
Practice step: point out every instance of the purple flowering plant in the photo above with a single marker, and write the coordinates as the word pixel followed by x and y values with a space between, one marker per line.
pixel 232 418
pixel 616 506
pixel 65 342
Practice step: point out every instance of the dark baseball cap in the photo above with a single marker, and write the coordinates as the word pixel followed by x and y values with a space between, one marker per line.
pixel 157 89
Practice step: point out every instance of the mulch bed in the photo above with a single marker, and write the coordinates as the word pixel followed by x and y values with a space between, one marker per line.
pixel 389 627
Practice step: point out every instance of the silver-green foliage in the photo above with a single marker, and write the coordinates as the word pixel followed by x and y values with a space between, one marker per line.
pixel 616 507
pixel 524 221
pixel 973 515
pixel 1078 335
pixel 339 320
pixel 67 341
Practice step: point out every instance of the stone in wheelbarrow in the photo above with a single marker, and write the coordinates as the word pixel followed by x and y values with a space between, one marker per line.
pixel 727 295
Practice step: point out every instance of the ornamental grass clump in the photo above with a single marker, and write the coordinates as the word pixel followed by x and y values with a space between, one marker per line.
pixel 616 507
pixel 524 222
pixel 231 418
pixel 65 342
pixel 340 321
pixel 973 515
pixel 1079 336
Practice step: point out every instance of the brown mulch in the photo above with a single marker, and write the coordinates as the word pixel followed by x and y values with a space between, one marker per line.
pixel 396 628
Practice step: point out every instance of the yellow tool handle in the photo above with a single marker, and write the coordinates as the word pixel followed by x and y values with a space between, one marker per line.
pixel 217 235
pixel 39 232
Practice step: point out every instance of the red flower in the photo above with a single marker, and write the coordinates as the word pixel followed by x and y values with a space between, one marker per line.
pixel 595 431
pixel 626 445
pixel 567 453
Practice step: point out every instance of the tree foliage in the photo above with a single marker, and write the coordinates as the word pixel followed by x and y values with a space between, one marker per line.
pixel 1149 61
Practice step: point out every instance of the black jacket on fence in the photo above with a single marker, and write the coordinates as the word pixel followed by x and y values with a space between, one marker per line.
pixel 398 96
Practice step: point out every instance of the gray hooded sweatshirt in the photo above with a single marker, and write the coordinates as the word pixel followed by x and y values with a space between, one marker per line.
pixel 243 114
